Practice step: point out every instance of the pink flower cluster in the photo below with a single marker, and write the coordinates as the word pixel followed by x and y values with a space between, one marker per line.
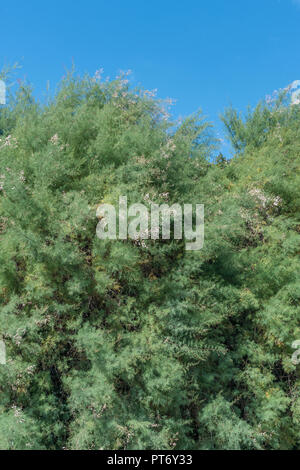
pixel 9 141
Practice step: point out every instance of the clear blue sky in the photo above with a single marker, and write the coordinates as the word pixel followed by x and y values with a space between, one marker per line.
pixel 204 54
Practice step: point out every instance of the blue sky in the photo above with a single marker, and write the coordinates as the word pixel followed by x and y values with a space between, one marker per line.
pixel 206 54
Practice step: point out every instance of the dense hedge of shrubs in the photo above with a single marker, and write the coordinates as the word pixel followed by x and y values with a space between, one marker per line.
pixel 127 345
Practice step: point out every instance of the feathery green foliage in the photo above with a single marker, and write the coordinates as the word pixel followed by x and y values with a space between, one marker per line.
pixel 122 345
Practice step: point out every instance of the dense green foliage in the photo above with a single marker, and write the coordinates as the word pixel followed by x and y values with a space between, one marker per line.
pixel 129 345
